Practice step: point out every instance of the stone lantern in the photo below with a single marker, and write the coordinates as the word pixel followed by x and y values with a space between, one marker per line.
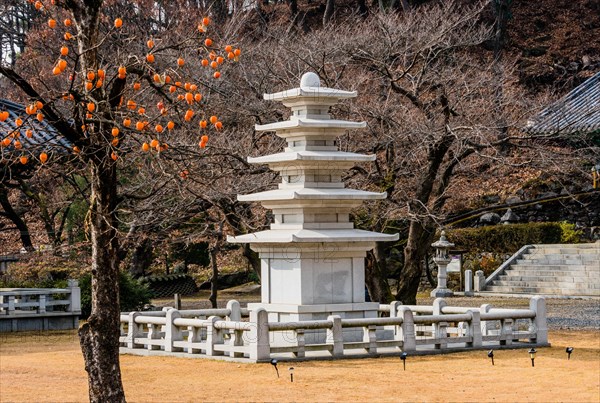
pixel 441 259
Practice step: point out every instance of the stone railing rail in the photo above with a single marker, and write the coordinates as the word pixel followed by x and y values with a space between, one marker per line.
pixel 21 302
pixel 221 332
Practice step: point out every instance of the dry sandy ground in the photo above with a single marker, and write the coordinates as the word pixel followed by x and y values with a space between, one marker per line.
pixel 37 368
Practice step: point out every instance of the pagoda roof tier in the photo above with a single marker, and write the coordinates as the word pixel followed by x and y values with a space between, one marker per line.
pixel 310 87
pixel 311 124
pixel 312 194
pixel 331 156
pixel 309 235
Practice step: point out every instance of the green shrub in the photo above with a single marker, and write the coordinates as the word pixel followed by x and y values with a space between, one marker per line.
pixel 132 294
pixel 506 238
pixel 569 233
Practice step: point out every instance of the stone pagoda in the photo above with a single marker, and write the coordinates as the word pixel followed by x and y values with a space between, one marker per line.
pixel 312 258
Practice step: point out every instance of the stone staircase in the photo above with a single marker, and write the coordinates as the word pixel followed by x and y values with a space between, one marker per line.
pixel 553 270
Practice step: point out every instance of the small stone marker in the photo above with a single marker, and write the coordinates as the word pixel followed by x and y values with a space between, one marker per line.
pixel 468 283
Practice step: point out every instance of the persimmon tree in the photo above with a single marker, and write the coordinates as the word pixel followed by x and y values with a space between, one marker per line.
pixel 123 81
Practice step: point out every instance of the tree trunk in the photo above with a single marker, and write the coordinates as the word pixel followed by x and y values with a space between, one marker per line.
pixel 329 9
pixel 12 215
pixel 419 240
pixel 363 10
pixel 214 280
pixel 253 259
pixel 141 258
pixel 99 336
pixel 376 276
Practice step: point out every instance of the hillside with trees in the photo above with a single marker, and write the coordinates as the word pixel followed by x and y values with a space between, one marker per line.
pixel 157 102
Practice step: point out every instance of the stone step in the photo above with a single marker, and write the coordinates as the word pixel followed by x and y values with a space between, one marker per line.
pixel 561 256
pixel 542 290
pixel 568 251
pixel 548 284
pixel 561 279
pixel 576 268
pixel 542 272
pixel 553 261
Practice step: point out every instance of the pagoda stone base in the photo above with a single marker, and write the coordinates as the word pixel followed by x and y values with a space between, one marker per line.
pixel 287 313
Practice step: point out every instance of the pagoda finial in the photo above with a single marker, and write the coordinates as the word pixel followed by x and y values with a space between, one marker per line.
pixel 310 80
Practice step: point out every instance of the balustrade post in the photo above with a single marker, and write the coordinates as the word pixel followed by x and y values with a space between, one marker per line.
pixel 172 333
pixel 370 337
pixel 133 330
pixel 235 314
pixel 42 303
pixel 475 330
pixel 441 335
pixel 213 336
pixel 11 305
pixel 538 305
pixel 75 296
pixel 394 314
pixel 335 336
pixel 439 329
pixel 485 325
pixel 258 336
pixel 409 341
pixel 301 341
pixel 506 332
pixel 153 334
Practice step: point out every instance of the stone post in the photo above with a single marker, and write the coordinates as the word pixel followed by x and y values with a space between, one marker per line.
pixel 370 337
pixel 469 283
pixel 538 305
pixel 301 341
pixel 260 350
pixel 479 281
pixel 335 336
pixel 133 330
pixel 172 332
pixel 235 313
pixel 475 330
pixel 394 314
pixel 213 336
pixel 409 341
pixel 42 303
pixel 506 332
pixel 486 326
pixel 75 297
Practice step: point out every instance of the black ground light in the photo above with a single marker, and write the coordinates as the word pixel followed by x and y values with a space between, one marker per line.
pixel 532 356
pixel 291 369
pixel 403 358
pixel 274 363
pixel 491 355
pixel 569 350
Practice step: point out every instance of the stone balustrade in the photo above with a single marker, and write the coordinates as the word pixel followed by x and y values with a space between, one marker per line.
pixel 24 309
pixel 235 333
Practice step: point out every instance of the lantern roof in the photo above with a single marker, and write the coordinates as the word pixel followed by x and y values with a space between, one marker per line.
pixel 442 243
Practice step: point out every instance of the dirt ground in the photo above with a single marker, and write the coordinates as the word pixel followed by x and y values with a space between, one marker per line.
pixel 49 368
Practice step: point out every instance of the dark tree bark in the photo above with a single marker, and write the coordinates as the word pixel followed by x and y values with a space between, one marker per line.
pixel 214 280
pixel 376 276
pixel 419 240
pixel 141 258
pixel 99 336
pixel 12 215
pixel 329 9
pixel 252 258
pixel 363 10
